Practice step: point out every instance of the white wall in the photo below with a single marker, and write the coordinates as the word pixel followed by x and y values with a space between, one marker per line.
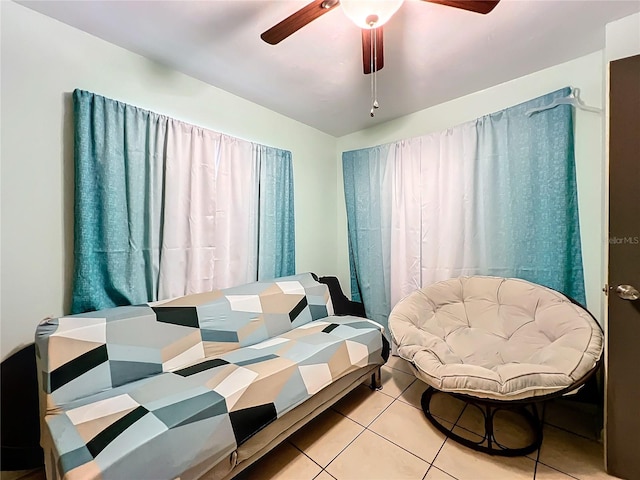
pixel 622 38
pixel 585 73
pixel 43 61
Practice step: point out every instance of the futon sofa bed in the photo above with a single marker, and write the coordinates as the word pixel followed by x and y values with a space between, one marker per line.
pixel 201 385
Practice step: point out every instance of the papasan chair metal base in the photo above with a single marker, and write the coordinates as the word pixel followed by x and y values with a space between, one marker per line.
pixel 530 409
pixel 489 444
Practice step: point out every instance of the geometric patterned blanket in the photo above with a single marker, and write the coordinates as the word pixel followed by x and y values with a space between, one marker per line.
pixel 119 415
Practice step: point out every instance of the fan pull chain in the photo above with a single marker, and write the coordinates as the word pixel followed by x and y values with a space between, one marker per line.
pixel 371 61
pixel 374 69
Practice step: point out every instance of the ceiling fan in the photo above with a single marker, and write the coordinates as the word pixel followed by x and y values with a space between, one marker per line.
pixel 369 15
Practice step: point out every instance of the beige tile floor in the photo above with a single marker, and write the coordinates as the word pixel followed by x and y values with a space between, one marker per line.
pixel 383 434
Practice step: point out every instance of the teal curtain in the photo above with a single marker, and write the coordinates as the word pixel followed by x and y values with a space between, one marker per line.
pixel 367 178
pixel 495 196
pixel 121 175
pixel 118 202
pixel 276 243
pixel 528 174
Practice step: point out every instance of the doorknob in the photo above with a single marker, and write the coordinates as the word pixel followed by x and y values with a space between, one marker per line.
pixel 627 292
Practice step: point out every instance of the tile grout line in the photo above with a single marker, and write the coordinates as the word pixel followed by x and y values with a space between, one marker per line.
pixel 564 429
pixel 434 414
pixel 394 368
pixel 557 470
pixel 404 390
pixel 345 447
pixel 431 464
pixel 440 470
pixel 592 417
pixel 374 418
pixel 385 408
pixel 446 440
pixel 543 414
pixel 324 470
pixel 364 428
pixel 399 446
pixel 302 452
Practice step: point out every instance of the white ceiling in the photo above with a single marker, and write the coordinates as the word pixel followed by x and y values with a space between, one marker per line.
pixel 433 53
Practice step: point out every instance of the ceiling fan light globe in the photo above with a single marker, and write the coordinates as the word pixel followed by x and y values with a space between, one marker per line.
pixel 361 12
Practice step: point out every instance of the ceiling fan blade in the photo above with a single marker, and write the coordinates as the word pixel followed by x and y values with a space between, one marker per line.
pixel 299 19
pixel 478 6
pixel 366 50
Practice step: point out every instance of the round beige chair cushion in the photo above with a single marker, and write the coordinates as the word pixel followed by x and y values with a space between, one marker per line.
pixel 497 338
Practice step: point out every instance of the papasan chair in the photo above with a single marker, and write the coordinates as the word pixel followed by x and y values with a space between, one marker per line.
pixel 498 344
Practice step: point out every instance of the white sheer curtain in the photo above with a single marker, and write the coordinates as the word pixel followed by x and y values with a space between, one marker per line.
pixel 213 245
pixel 436 210
pixel 453 231
pixel 406 205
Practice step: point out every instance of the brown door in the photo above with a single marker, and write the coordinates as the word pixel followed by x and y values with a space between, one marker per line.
pixel 622 436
